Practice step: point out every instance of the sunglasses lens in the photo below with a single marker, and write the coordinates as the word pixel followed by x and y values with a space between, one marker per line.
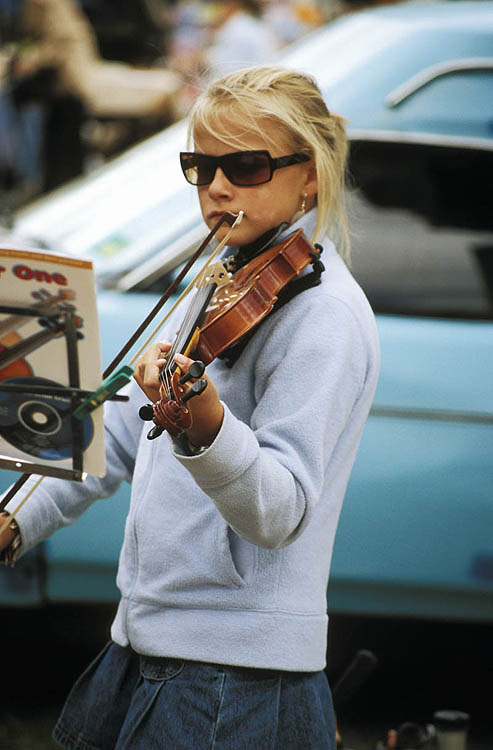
pixel 198 169
pixel 241 168
pixel 248 168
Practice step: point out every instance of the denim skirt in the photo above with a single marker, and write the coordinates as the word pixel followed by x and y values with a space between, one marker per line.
pixel 124 701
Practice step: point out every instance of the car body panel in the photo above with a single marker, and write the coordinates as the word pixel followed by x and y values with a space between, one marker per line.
pixel 413 524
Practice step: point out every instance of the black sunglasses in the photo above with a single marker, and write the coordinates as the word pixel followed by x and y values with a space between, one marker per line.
pixel 240 167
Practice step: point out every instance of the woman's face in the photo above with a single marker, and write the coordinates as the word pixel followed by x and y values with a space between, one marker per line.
pixel 264 206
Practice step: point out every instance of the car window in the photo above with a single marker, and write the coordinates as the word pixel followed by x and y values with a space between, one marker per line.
pixel 423 227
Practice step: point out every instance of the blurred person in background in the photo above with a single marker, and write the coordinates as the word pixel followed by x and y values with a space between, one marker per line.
pixel 30 104
pixel 55 83
pixel 190 37
pixel 241 37
pixel 211 39
pixel 132 31
pixel 292 19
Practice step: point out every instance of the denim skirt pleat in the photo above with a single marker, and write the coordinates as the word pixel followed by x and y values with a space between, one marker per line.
pixel 124 701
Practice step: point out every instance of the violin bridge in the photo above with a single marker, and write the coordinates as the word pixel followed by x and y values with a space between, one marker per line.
pixel 216 274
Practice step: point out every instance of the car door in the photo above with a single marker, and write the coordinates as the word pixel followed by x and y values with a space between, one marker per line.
pixel 415 533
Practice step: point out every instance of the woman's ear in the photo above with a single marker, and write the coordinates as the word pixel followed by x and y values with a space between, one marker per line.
pixel 311 183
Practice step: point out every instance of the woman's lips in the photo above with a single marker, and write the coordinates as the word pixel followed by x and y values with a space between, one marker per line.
pixel 214 215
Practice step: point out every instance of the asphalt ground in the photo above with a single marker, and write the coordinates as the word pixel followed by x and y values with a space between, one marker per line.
pixel 421 667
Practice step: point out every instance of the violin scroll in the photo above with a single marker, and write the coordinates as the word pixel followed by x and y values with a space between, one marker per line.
pixel 170 413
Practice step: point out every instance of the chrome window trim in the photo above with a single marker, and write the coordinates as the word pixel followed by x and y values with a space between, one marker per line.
pixel 427 139
pixel 421 79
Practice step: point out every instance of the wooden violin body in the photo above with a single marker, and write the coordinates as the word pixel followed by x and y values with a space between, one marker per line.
pixel 239 306
pixel 232 311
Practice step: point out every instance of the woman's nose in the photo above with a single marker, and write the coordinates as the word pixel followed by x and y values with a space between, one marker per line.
pixel 220 184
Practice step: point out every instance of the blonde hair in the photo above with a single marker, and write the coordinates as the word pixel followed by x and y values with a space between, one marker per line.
pixel 294 102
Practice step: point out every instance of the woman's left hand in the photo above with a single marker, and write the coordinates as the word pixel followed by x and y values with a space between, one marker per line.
pixel 206 410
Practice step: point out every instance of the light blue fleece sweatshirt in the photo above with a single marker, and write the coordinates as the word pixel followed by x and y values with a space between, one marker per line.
pixel 226 554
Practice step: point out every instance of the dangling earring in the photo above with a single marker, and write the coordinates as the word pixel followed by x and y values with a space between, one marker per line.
pixel 301 211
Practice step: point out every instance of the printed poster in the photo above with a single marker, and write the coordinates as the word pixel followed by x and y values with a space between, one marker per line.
pixel 49 343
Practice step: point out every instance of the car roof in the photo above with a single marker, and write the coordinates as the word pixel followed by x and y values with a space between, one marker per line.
pixel 375 53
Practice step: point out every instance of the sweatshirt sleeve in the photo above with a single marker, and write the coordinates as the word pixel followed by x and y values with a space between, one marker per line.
pixel 58 502
pixel 266 477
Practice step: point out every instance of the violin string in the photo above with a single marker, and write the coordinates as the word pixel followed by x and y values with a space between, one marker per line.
pixel 190 318
pixel 179 344
pixel 199 301
pixel 193 283
pixel 193 311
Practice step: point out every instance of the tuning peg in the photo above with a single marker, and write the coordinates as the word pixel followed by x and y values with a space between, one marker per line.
pixel 196 370
pixel 155 432
pixel 195 390
pixel 146 412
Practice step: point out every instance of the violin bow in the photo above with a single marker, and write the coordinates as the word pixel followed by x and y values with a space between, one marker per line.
pixel 202 274
pixel 228 217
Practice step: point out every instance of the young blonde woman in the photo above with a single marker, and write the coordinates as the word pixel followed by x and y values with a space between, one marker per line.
pixel 220 636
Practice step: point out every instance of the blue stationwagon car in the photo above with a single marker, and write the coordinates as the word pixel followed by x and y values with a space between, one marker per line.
pixel 415 81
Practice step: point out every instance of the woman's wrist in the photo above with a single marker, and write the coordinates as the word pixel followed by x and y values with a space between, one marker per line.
pixel 10 540
pixel 203 435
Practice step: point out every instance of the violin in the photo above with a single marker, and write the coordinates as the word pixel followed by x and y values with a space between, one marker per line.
pixel 226 308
